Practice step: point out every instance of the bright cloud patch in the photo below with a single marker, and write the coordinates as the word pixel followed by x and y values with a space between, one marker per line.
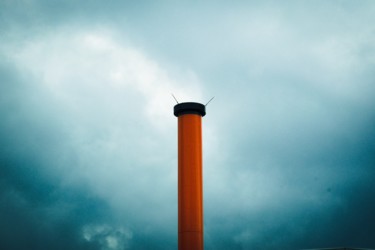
pixel 68 62
pixel 108 237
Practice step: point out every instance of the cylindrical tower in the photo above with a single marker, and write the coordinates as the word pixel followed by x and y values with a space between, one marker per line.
pixel 190 179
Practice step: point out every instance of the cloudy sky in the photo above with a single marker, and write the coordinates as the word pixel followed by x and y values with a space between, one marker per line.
pixel 88 156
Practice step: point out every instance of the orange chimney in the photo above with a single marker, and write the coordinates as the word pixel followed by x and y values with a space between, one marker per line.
pixel 190 191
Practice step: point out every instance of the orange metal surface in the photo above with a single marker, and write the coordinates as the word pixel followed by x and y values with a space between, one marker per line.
pixel 190 182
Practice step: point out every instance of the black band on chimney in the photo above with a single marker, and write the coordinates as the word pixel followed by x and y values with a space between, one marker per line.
pixel 189 108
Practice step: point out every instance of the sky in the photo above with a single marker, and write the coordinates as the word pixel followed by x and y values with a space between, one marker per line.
pixel 88 139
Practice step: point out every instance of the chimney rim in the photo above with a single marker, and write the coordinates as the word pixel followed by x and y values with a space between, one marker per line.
pixel 184 108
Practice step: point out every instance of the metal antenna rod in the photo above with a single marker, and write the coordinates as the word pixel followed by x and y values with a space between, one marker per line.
pixel 209 101
pixel 174 98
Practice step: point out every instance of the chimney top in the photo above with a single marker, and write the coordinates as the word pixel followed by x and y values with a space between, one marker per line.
pixel 189 108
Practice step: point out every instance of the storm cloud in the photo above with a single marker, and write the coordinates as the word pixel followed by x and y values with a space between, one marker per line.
pixel 88 155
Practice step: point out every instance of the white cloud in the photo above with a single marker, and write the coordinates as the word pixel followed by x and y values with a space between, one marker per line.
pixel 93 61
pixel 109 238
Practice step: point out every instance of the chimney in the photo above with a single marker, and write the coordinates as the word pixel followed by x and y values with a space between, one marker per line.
pixel 190 181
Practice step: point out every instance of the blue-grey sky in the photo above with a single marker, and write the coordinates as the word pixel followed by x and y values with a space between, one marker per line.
pixel 88 156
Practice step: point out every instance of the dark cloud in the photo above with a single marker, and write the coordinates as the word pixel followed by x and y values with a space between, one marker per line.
pixel 66 199
pixel 318 166
pixel 87 135
pixel 36 210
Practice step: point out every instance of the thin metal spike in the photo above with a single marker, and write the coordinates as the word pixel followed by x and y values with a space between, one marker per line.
pixel 174 98
pixel 209 101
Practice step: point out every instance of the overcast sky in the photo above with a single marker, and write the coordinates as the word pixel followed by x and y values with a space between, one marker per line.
pixel 88 140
